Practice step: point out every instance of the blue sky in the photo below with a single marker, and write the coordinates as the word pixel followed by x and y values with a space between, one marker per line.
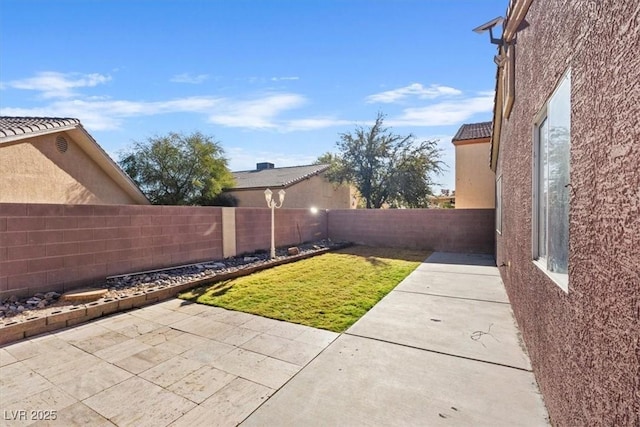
pixel 270 80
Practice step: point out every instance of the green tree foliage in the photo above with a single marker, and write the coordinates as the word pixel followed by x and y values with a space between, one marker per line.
pixel 178 169
pixel 387 169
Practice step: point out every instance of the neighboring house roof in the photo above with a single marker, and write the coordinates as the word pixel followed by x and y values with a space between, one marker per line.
pixel 275 177
pixel 17 129
pixel 13 128
pixel 473 131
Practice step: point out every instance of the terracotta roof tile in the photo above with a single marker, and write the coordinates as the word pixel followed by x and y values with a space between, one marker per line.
pixel 275 177
pixel 13 126
pixel 473 131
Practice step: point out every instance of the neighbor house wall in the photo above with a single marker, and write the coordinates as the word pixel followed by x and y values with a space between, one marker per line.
pixel 315 191
pixel 448 230
pixel 584 345
pixel 475 181
pixel 34 171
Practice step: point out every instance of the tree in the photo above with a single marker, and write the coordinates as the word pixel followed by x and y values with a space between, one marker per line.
pixel 387 169
pixel 178 169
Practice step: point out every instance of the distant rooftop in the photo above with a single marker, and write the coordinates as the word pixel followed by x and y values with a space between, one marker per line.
pixel 473 131
pixel 275 177
pixel 16 126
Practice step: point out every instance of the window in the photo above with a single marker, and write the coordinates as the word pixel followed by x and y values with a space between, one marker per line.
pixel 550 234
pixel 499 204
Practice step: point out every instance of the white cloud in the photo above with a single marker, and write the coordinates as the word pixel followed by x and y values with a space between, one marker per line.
pixel 277 79
pixel 315 123
pixel 91 119
pixel 444 113
pixel 261 112
pixel 269 111
pixel 413 90
pixel 189 78
pixel 106 115
pixel 257 113
pixel 58 85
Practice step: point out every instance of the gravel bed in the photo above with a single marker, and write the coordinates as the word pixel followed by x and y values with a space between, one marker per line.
pixel 18 309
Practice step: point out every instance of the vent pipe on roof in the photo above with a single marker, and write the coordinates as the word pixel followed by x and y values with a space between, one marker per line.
pixel 265 165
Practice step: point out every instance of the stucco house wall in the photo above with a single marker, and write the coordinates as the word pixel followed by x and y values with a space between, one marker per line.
pixel 584 344
pixel 34 171
pixel 475 181
pixel 55 160
pixel 314 191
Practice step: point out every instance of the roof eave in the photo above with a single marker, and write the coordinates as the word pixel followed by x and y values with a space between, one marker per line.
pixel 286 184
pixel 18 137
pixel 263 187
pixel 497 123
pixel 516 13
pixel 458 142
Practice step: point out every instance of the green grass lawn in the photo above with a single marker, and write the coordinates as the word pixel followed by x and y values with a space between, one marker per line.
pixel 329 291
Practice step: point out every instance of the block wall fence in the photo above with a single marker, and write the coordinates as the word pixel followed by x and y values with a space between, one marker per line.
pixel 446 230
pixel 46 247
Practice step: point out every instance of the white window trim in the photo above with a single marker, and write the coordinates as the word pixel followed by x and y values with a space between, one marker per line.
pixel 542 115
pixel 560 279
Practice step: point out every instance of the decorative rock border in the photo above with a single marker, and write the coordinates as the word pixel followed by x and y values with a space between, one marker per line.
pixel 74 315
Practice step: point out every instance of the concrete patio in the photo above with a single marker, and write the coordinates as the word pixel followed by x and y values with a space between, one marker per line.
pixel 442 348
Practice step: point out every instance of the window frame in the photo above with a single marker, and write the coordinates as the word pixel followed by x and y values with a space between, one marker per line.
pixel 560 279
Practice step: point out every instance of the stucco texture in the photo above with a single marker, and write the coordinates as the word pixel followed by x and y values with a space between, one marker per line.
pixel 34 171
pixel 584 344
pixel 314 191
pixel 475 181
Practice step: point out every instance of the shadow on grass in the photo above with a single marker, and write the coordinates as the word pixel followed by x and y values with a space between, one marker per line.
pixel 376 262
pixel 215 289
pixel 376 255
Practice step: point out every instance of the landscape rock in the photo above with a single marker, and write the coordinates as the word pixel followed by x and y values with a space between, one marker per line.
pixel 14 308
pixel 293 251
pixel 216 265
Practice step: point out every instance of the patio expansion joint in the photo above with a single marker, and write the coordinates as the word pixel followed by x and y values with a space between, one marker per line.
pixel 460 272
pixel 292 377
pixel 451 296
pixel 438 352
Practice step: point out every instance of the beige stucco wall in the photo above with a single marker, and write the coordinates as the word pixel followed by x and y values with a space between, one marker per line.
pixel 34 171
pixel 312 192
pixel 475 181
